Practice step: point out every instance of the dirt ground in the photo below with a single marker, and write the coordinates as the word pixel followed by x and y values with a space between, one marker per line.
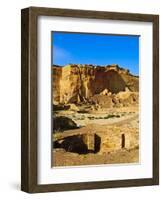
pixel 124 119
pixel 62 158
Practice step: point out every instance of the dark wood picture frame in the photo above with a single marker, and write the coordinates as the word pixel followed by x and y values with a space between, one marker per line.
pixel 29 99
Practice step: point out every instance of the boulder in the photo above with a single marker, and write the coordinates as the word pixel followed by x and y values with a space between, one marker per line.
pixel 62 123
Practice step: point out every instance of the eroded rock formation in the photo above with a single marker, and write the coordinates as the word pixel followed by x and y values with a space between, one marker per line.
pixel 79 83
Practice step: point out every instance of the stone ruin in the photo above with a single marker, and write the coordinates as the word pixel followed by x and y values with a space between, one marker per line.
pixel 94 143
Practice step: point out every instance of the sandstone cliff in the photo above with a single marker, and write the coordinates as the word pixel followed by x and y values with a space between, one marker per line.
pixel 79 83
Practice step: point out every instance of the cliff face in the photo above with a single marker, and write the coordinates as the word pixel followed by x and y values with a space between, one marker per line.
pixel 78 83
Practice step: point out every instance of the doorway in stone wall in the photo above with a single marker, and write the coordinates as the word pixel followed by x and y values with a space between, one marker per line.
pixel 123 141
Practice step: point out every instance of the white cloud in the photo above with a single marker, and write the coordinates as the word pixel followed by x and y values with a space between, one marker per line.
pixel 60 55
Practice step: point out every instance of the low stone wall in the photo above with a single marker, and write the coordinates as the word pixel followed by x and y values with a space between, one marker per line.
pixel 113 140
pixel 127 139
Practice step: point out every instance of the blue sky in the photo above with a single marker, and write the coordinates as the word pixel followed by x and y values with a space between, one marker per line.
pixel 98 49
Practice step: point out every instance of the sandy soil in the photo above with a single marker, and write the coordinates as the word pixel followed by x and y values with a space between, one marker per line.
pixel 63 158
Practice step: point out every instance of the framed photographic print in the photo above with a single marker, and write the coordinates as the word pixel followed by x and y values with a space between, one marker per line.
pixel 90 99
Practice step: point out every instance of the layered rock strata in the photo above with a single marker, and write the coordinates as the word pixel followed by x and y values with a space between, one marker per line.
pixel 79 83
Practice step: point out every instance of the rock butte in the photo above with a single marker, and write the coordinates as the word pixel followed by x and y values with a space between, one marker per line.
pixel 79 83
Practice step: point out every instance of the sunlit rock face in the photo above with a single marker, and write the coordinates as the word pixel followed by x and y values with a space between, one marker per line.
pixel 79 83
